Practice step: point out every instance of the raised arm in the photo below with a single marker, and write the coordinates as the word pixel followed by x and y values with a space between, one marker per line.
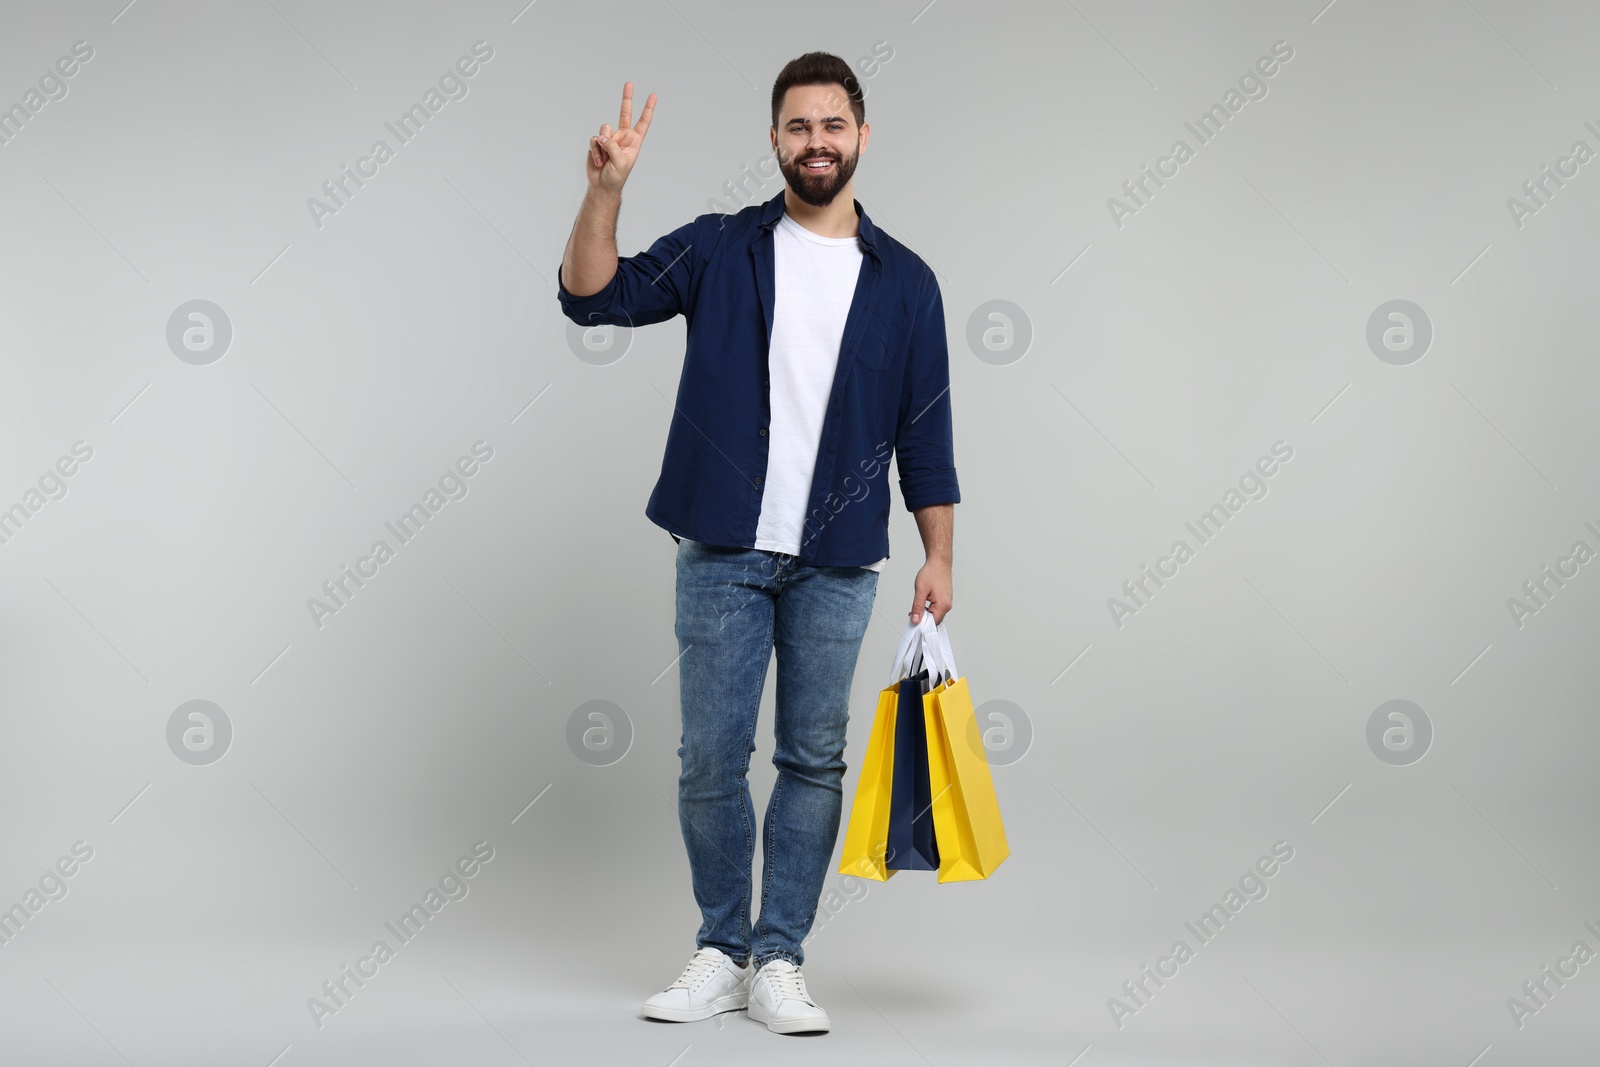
pixel 590 260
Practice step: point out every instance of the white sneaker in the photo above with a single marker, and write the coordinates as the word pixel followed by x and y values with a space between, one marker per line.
pixel 709 985
pixel 778 998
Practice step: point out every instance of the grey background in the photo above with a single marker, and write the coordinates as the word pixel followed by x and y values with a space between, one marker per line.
pixel 1228 714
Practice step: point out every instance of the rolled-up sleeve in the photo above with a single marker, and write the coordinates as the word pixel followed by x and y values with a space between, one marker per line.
pixel 649 287
pixel 924 441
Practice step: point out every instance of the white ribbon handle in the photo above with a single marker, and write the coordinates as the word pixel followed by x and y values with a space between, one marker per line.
pixel 944 650
pixel 905 654
pixel 927 642
pixel 935 642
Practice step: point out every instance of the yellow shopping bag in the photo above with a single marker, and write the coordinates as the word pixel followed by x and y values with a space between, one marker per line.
pixel 866 837
pixel 966 812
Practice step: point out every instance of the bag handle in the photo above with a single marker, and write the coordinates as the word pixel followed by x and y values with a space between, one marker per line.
pixel 935 645
pixel 944 650
pixel 904 655
pixel 924 641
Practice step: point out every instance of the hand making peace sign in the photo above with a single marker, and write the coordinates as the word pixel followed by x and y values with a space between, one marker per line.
pixel 612 152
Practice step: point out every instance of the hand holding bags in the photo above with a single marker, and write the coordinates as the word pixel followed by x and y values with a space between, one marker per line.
pixel 940 782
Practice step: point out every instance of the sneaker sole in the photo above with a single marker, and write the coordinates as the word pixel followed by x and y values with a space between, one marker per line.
pixel 731 1002
pixel 788 1026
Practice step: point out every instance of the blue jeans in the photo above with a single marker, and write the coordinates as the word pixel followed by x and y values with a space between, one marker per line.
pixel 735 606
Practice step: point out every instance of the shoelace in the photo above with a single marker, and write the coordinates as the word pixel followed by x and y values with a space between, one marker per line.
pixel 788 984
pixel 702 966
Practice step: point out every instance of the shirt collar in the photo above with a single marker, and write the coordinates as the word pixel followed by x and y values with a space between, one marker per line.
pixel 772 211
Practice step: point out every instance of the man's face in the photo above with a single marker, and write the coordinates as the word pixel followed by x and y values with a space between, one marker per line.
pixel 818 127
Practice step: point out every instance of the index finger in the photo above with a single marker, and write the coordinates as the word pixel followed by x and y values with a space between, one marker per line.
pixel 644 116
pixel 627 106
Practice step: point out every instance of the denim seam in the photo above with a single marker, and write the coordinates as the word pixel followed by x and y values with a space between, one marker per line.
pixel 749 746
pixel 766 861
pixel 772 806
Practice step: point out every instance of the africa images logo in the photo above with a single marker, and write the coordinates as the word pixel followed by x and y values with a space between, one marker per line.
pixel 453 485
pixel 452 86
pixel 1210 123
pixel 1205 528
pixel 453 885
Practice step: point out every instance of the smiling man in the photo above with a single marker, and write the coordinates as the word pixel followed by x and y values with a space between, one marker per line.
pixel 816 349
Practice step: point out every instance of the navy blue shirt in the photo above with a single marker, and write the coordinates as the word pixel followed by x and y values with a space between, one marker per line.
pixel 891 392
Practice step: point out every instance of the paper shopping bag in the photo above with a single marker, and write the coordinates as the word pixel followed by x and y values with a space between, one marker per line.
pixel 966 812
pixel 911 833
pixel 866 851
pixel 866 837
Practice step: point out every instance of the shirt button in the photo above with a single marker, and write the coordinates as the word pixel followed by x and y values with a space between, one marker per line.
pixel 758 479
pixel 763 431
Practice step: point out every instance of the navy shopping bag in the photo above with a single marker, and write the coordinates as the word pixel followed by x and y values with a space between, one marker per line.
pixel 911 844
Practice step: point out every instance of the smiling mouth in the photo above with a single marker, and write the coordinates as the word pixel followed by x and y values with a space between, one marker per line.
pixel 817 166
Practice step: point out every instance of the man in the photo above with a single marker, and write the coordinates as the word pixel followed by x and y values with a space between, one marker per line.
pixel 816 348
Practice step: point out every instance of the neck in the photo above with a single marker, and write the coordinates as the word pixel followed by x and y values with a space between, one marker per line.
pixel 837 219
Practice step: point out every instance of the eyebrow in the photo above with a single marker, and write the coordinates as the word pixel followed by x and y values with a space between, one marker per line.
pixel 830 118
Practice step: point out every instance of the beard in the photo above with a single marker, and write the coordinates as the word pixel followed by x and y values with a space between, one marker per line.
pixel 819 190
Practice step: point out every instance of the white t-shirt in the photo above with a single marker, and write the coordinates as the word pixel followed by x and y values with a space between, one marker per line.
pixel 814 285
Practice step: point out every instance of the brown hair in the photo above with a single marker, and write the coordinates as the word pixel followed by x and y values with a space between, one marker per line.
pixel 819 68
